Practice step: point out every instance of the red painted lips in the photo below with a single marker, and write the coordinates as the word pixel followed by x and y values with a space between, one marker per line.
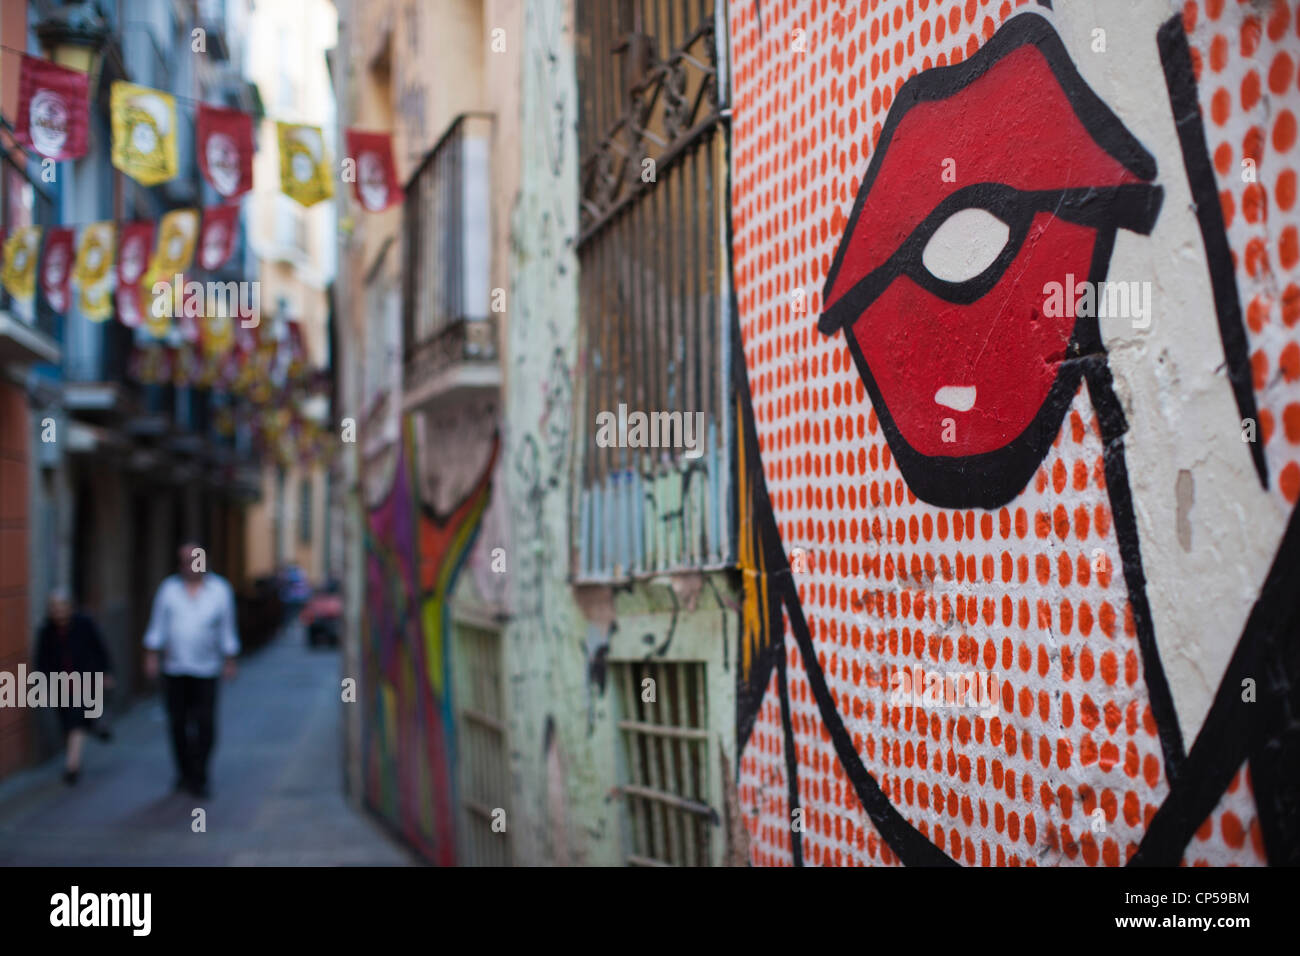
pixel 992 178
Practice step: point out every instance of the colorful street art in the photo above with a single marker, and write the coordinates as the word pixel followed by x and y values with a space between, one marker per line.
pixel 413 558
pixel 1019 564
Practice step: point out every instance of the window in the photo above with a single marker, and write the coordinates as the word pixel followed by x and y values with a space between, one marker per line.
pixel 483 758
pixel 664 749
pixel 304 511
pixel 654 283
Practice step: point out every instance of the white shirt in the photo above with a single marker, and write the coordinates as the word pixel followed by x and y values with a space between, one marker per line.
pixel 195 631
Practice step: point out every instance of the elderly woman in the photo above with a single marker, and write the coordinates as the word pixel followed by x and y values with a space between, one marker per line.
pixel 70 642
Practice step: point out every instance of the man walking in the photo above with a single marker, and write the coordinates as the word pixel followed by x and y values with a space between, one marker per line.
pixel 193 628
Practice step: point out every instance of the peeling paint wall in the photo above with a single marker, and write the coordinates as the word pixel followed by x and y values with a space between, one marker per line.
pixel 562 641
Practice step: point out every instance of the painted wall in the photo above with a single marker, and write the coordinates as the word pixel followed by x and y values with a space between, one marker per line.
pixel 414 556
pixel 945 475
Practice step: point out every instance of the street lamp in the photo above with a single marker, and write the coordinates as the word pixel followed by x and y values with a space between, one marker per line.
pixel 74 35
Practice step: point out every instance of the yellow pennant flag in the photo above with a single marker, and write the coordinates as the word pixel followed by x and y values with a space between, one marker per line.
pixel 218 333
pixel 21 250
pixel 93 271
pixel 144 133
pixel 178 232
pixel 304 171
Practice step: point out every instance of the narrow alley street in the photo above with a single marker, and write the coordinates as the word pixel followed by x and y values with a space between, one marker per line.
pixel 276 784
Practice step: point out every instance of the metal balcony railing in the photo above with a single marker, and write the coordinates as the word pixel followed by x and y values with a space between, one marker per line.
pixel 447 248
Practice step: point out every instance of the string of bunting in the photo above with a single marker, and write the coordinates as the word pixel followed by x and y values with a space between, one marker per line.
pixel 53 122
pixel 111 264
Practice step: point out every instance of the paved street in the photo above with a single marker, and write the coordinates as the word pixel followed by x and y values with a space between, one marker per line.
pixel 276 784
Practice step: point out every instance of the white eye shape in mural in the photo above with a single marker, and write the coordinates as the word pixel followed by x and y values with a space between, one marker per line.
pixel 966 244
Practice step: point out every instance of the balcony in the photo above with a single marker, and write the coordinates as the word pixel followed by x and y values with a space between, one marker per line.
pixel 449 330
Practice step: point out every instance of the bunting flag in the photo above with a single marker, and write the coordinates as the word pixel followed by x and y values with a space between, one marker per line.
pixel 130 306
pixel 133 252
pixel 304 172
pixel 93 271
pixel 218 330
pixel 178 232
pixel 184 304
pixel 224 143
pixel 144 133
pixel 155 313
pixel 21 250
pixel 56 268
pixel 53 109
pixel 132 262
pixel 217 236
pixel 375 175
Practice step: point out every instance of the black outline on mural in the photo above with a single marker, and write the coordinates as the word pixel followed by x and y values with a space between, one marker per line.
pixel 993 478
pixel 1176 59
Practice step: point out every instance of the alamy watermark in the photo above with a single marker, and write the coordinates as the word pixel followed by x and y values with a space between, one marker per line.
pixel 1106 299
pixel 75 690
pixel 651 430
pixel 917 687
pixel 194 299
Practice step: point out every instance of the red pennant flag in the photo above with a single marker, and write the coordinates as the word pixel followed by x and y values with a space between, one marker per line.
pixel 375 177
pixel 56 268
pixel 225 146
pixel 130 306
pixel 217 235
pixel 53 109
pixel 134 248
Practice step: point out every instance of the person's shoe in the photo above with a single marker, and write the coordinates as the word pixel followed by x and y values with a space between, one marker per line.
pixel 200 789
pixel 70 776
pixel 181 783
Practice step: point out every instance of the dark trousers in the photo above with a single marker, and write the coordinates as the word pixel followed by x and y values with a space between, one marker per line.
pixel 192 711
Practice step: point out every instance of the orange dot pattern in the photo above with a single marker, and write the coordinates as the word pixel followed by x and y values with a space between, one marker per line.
pixel 1248 67
pixel 1069 768
pixel 763 790
pixel 1230 836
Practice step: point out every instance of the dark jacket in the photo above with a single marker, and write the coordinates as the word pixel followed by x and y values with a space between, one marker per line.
pixel 79 648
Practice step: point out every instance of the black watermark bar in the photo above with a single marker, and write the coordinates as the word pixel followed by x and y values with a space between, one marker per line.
pixel 339 906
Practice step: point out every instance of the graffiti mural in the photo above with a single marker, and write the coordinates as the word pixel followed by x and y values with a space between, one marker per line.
pixel 1019 547
pixel 414 555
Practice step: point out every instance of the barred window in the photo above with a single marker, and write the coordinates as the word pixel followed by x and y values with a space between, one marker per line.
pixel 653 486
pixel 663 721
pixel 483 759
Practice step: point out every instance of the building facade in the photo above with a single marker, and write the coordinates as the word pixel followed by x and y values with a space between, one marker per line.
pixel 294 251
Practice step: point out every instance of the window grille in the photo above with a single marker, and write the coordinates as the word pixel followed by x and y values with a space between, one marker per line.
pixel 665 762
pixel 483 765
pixel 654 289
